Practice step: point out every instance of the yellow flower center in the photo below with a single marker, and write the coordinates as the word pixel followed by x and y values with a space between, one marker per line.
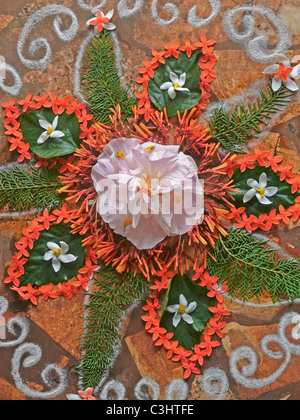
pixel 50 131
pixel 181 309
pixel 176 85
pixel 146 184
pixel 56 252
pixel 120 155
pixel 127 222
pixel 261 192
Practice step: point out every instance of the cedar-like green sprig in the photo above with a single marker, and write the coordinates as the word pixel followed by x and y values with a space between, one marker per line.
pixel 233 131
pixel 249 268
pixel 112 292
pixel 21 189
pixel 101 81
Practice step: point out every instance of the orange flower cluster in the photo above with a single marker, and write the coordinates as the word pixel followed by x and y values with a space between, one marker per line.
pixel 58 106
pixel 178 253
pixel 189 359
pixel 265 221
pixel 25 244
pixel 206 64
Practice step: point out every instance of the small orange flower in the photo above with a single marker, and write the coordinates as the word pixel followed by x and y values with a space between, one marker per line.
pixel 143 98
pixel 148 68
pixel 46 219
pixel 87 395
pixel 198 355
pixel 273 162
pixel 47 292
pixel 219 312
pixel 208 69
pixel 27 103
pixel 61 214
pixel 284 214
pixel 172 50
pixel 295 184
pixel 283 72
pixel 40 100
pixel 205 44
pixel 30 294
pixel 98 21
pixel 190 368
pixel 147 111
pixel 10 107
pixel 164 340
pixel 236 213
pixel 75 108
pixel 285 171
pixel 13 277
pixel 188 48
pixel 158 57
pixel 24 153
pixel 208 345
pixel 246 162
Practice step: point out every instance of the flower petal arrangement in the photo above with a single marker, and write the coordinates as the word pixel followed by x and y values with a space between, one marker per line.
pixel 135 199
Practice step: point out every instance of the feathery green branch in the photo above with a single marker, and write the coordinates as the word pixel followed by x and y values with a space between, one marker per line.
pixel 21 189
pixel 249 268
pixel 101 82
pixel 233 131
pixel 112 292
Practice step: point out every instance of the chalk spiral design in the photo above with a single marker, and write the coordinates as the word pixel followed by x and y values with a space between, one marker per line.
pixel 51 373
pixel 256 46
pixel 37 44
pixel 244 376
pixel 198 22
pixel 171 8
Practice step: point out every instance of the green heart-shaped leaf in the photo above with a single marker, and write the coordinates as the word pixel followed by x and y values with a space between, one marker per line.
pixel 183 100
pixel 188 335
pixel 40 272
pixel 283 197
pixel 53 147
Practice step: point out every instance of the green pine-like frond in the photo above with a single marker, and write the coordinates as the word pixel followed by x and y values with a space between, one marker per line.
pixel 112 292
pixel 233 131
pixel 21 189
pixel 101 81
pixel 250 268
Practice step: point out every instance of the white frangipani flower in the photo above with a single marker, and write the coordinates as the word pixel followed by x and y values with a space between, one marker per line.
pixel 284 73
pixel 50 132
pixel 58 254
pixel 260 190
pixel 101 21
pixel 176 84
pixel 182 311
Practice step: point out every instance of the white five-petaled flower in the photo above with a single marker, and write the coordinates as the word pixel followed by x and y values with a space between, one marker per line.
pixel 50 132
pixel 260 190
pixel 101 21
pixel 182 311
pixel 58 255
pixel 284 73
pixel 176 84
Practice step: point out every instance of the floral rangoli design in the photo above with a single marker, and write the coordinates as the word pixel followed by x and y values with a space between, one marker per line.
pixel 115 188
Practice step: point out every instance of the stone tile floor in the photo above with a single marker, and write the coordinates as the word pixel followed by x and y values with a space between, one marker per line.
pixel 55 325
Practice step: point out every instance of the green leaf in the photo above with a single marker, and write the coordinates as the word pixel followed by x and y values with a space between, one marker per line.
pixel 40 272
pixel 183 100
pixel 283 197
pixel 187 335
pixel 53 147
